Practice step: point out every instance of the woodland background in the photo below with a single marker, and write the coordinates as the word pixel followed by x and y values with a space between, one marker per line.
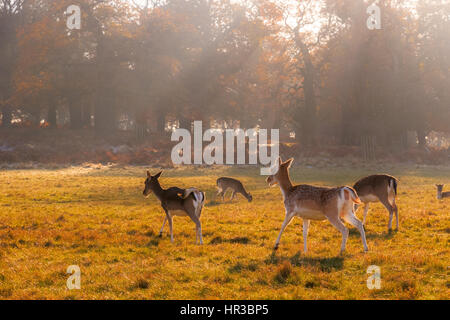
pixel 112 91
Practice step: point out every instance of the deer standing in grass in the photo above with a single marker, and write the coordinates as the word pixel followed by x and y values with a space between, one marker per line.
pixel 177 202
pixel 316 203
pixel 441 195
pixel 224 183
pixel 379 187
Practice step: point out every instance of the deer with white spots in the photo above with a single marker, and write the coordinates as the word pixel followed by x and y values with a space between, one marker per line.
pixel 316 203
pixel 177 202
pixel 378 187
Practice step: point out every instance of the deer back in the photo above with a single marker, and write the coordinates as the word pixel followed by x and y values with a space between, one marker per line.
pixel 376 186
pixel 314 198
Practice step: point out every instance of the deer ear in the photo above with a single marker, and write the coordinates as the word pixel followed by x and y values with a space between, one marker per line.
pixel 288 162
pixel 148 174
pixel 158 175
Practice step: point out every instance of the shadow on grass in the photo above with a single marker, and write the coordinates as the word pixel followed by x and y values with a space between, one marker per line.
pixel 325 264
pixel 385 235
pixel 354 233
pixel 241 240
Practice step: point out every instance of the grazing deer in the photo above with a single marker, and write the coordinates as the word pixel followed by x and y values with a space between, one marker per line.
pixel 441 195
pixel 316 203
pixel 177 202
pixel 379 187
pixel 224 183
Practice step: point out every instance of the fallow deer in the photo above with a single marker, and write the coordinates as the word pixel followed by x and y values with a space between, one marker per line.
pixel 224 183
pixel 316 203
pixel 379 187
pixel 177 202
pixel 441 195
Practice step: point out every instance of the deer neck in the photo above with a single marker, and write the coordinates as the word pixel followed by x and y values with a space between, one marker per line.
pixel 159 191
pixel 439 195
pixel 244 193
pixel 285 186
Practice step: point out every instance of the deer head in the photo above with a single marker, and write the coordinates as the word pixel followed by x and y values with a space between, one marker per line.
pixel 151 183
pixel 282 174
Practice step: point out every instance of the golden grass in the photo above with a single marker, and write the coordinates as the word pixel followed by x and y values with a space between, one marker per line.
pixel 99 220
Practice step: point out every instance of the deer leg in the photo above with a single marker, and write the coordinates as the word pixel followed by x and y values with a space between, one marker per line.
pixel 286 221
pixel 305 234
pixel 394 205
pixel 219 193
pixel 353 220
pixel 366 209
pixel 389 207
pixel 162 228
pixel 223 194
pixel 171 228
pixel 198 228
pixel 232 195
pixel 199 232
pixel 336 222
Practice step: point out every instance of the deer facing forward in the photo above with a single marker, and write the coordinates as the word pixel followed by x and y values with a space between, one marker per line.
pixel 177 202
pixel 441 195
pixel 316 203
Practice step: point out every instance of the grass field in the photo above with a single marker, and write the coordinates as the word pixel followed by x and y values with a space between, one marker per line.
pixel 99 220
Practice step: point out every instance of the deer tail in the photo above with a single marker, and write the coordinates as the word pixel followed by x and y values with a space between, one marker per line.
pixel 350 194
pixel 199 199
pixel 393 184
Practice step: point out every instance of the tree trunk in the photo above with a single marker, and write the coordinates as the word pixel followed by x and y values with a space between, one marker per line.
pixel 421 136
pixel 6 117
pixel 51 117
pixel 185 123
pixel 75 116
pixel 161 122
pixel 86 116
pixel 105 119
pixel 309 121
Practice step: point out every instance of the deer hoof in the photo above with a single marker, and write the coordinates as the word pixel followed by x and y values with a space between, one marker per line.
pixel 275 248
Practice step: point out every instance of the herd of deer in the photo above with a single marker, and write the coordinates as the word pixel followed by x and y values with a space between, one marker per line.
pixel 304 201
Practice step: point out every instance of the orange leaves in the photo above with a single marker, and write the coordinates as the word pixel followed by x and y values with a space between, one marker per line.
pixel 270 11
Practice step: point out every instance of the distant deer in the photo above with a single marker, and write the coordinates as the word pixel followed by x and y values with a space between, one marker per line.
pixel 441 195
pixel 316 203
pixel 379 187
pixel 177 202
pixel 224 183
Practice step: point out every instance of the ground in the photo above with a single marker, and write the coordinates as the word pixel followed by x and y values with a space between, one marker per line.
pixel 97 218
